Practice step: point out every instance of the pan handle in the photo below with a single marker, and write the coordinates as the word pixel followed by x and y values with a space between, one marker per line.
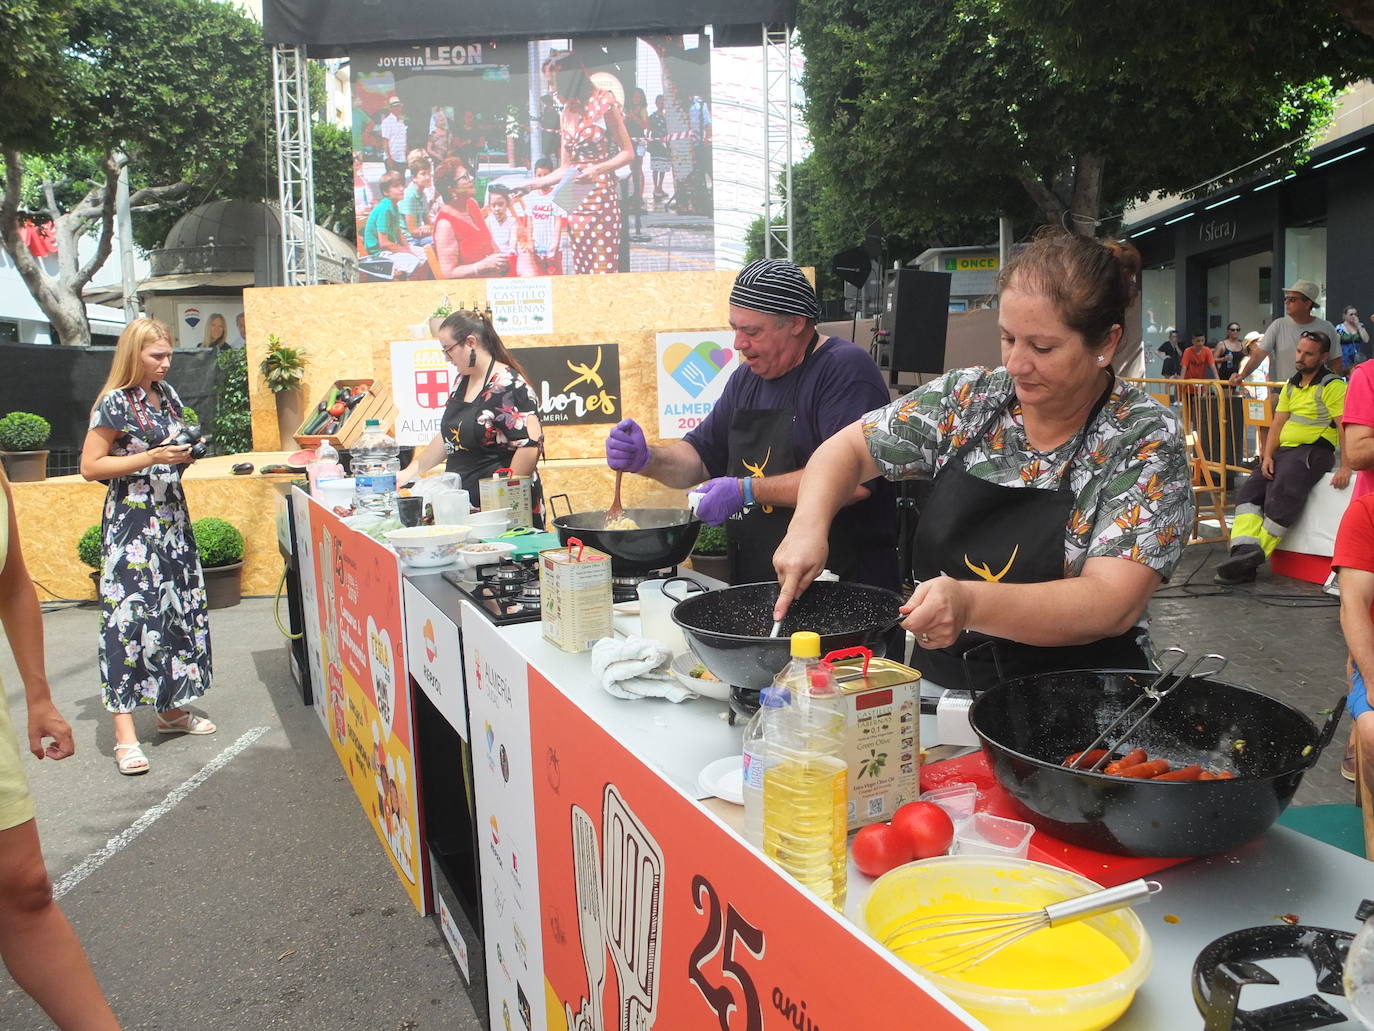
pixel 968 670
pixel 693 587
pixel 1327 731
pixel 554 508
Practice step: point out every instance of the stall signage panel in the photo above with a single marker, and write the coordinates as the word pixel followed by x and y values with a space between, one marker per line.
pixel 692 370
pixel 521 307
pixel 368 712
pixel 502 773
pixel 421 381
pixel 671 919
pixel 574 385
pixel 310 600
pixel 435 658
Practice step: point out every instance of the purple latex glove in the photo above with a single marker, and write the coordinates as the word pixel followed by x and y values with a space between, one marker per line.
pixel 626 449
pixel 721 498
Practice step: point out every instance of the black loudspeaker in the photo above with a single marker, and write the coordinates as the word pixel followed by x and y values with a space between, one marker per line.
pixel 916 312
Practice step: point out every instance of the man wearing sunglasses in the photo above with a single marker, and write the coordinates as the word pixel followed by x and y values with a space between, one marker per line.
pixel 1281 338
pixel 1299 451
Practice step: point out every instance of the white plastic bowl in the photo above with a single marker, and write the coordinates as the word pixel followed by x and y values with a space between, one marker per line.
pixel 336 493
pixel 485 553
pixel 428 545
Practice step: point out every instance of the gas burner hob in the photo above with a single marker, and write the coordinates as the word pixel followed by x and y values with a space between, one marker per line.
pixel 626 588
pixel 507 591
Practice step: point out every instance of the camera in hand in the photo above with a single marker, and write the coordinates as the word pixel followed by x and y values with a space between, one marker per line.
pixel 200 445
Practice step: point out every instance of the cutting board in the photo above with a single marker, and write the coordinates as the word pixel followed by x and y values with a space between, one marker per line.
pixel 1103 867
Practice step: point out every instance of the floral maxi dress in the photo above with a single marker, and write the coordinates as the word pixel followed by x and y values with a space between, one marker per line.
pixel 154 631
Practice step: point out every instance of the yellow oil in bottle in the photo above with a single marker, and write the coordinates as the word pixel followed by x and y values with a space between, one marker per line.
pixel 805 822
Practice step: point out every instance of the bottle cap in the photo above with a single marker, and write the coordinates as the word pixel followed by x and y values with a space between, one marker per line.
pixel 806 645
pixel 371 423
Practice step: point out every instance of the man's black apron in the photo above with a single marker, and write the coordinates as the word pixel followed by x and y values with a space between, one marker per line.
pixel 760 444
pixel 971 529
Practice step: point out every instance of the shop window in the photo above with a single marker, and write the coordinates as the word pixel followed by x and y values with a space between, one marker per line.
pixel 1304 257
pixel 1156 314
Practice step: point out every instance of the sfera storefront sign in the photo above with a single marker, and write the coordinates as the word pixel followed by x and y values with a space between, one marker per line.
pixel 1217 230
pixel 574 385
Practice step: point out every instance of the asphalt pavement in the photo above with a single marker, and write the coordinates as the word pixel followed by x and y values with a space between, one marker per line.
pixel 238 885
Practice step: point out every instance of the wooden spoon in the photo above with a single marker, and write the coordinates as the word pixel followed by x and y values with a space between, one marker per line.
pixel 617 510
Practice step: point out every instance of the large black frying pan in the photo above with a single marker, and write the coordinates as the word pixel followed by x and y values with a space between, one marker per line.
pixel 1028 726
pixel 664 538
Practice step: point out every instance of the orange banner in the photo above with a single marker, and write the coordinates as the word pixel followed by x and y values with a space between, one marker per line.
pixel 655 916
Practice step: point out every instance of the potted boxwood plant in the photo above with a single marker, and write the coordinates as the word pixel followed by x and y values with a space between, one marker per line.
pixel 708 554
pixel 443 311
pixel 221 558
pixel 22 436
pixel 90 551
pixel 284 369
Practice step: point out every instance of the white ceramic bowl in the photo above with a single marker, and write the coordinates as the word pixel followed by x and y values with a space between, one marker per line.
pixel 682 666
pixel 484 553
pixel 489 517
pixel 428 545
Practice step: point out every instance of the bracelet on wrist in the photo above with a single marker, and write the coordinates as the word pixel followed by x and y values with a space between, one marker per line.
pixel 746 487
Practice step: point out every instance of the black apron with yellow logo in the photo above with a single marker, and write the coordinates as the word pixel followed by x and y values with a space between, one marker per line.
pixel 974 530
pixel 760 444
pixel 465 439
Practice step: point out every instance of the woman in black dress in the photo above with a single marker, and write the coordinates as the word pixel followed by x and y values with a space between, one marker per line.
pixel 490 421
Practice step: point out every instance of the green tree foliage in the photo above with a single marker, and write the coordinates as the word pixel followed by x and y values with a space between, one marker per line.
pixel 233 416
pixel 332 155
pixel 947 113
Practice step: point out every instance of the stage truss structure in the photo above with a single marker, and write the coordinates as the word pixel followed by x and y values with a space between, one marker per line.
pixel 777 141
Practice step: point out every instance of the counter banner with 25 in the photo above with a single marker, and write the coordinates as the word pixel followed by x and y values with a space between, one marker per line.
pixel 575 385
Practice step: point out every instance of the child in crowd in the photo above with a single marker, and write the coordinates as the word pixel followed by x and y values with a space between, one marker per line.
pixel 419 195
pixel 548 225
pixel 503 224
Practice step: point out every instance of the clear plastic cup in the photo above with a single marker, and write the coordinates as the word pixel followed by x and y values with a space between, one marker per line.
pixel 957 798
pixel 983 834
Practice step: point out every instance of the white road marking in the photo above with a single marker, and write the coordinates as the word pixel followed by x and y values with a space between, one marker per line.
pixel 117 844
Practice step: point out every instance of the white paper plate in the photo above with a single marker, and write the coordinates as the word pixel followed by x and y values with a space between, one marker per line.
pixel 724 778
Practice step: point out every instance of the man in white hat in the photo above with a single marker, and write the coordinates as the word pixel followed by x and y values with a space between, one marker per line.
pixel 1281 338
pixel 393 130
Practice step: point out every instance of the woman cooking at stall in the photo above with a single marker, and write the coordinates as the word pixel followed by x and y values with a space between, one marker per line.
pixel 1061 495
pixel 489 422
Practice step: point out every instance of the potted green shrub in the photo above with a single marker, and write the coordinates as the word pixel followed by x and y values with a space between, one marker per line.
pixel 22 436
pixel 284 369
pixel 443 311
pixel 708 554
pixel 90 551
pixel 221 558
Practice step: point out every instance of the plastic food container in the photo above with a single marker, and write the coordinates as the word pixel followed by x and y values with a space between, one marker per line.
pixel 957 799
pixel 1020 885
pixel 986 835
pixel 336 493
pixel 427 545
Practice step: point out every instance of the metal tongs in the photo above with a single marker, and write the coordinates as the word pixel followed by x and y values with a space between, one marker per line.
pixel 1153 693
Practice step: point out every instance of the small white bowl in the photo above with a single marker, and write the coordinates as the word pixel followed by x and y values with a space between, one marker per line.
pixel 682 666
pixel 428 545
pixel 484 553
pixel 488 517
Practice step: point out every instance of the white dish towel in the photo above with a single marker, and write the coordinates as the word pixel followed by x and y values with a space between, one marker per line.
pixel 635 667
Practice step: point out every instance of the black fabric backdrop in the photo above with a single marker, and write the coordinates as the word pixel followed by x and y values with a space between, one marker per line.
pixel 327 26
pixel 61 383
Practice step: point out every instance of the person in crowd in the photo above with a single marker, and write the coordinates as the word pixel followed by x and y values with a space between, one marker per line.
pixel 155 634
pixel 216 333
pixel 549 122
pixel 659 163
pixel 37 944
pixel 699 182
pixel 594 144
pixel 462 241
pixel 363 194
pixel 1198 361
pixel 415 203
pixel 1230 351
pixel 439 147
pixel 548 225
pixel 1172 351
pixel 393 129
pixel 385 233
pixel 490 421
pixel 792 389
pixel 1354 559
pixel 1357 451
pixel 637 125
pixel 1061 494
pixel 1354 339
pixel 1256 380
pixel 1280 341
pixel 1299 450
pixel 240 340
pixel 438 120
pixel 503 225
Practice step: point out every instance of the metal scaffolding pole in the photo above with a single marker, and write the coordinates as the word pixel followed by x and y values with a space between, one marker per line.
pixel 295 170
pixel 777 141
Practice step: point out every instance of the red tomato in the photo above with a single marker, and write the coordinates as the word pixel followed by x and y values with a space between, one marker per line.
pixel 925 827
pixel 878 848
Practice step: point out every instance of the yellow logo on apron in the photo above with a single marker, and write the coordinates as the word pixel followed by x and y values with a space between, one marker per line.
pixel 756 472
pixel 984 571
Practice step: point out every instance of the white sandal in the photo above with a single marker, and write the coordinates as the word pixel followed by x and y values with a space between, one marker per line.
pixel 186 723
pixel 133 761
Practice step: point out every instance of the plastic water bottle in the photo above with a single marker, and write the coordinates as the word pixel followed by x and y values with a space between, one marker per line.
pixel 375 465
pixel 806 779
pixel 324 466
pixel 771 701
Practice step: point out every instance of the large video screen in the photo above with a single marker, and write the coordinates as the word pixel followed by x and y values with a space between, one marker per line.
pixel 584 156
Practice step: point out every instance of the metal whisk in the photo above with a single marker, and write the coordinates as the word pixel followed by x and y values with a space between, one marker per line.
pixel 975 937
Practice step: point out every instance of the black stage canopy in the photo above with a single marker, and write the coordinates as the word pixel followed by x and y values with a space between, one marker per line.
pixel 327 27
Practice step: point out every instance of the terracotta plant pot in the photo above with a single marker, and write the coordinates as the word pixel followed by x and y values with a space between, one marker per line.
pixel 25 466
pixel 223 585
pixel 290 415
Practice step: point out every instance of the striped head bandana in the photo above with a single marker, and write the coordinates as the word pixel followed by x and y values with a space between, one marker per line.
pixel 777 287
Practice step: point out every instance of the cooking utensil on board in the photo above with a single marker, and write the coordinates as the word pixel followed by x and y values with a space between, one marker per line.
pixel 1028 725
pixel 664 538
pixel 617 511
pixel 633 894
pixel 971 938
pixel 587 879
pixel 1151 692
